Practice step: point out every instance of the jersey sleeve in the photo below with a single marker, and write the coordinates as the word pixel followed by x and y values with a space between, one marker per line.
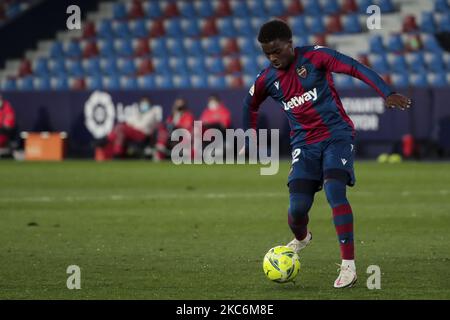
pixel 334 61
pixel 252 101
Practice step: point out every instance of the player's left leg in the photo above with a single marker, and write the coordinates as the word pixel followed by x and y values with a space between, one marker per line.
pixel 338 173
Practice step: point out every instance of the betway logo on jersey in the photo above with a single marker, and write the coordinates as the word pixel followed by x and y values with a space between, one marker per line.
pixel 299 100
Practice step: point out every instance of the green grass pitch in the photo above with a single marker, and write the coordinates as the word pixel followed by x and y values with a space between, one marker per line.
pixel 141 230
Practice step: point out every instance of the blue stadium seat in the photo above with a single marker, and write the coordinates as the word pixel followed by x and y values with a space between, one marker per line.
pixel 427 23
pixel 386 6
pixel 161 65
pixel 129 83
pixel 395 43
pixel 225 27
pixel 199 81
pixel 57 67
pixel 312 7
pixel 59 83
pixel 211 46
pixel 351 24
pixel 262 61
pixel 104 29
pixel 123 47
pixel 204 8
pixel 257 22
pixel 216 82
pixel 121 29
pixel 178 65
pixel 164 81
pixel 257 8
pixel 9 84
pixel 400 80
pixel 376 44
pixel 214 65
pixel 173 27
pixel 193 47
pixel 126 66
pixel 106 48
pixel 301 40
pixel 94 82
pixel 444 23
pixel 119 10
pixel 158 47
pixel 331 7
pixel 175 47
pixel 74 68
pixel 190 27
pixel 316 24
pixel 249 65
pixel 430 43
pixel 147 82
pixel 181 81
pixel 274 8
pixel 56 50
pixel 109 66
pixel 435 62
pixel 246 45
pixel 244 27
pixel 41 83
pixel 152 9
pixel 138 28
pixel 441 6
pixel 416 62
pixel 196 65
pixel 379 63
pixel 418 79
pixel 239 8
pixel 111 82
pixel 397 63
pixel 438 79
pixel 40 67
pixel 92 66
pixel 73 50
pixel 187 9
pixel 26 83
pixel 363 5
pixel 298 23
pixel 343 81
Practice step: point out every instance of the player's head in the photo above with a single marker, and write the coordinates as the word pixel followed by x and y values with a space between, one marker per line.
pixel 275 38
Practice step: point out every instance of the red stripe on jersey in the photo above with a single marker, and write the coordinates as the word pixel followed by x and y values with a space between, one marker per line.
pixel 342 209
pixel 306 115
pixel 259 95
pixel 339 103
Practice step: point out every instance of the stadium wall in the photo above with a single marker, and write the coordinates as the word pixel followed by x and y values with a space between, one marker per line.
pixel 378 129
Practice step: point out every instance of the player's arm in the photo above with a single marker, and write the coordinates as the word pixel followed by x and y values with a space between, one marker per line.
pixel 252 101
pixel 334 61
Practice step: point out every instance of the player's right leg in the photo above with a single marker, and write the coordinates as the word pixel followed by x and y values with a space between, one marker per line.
pixel 304 181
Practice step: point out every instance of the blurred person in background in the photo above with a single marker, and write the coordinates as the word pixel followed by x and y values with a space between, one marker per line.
pixel 141 124
pixel 181 118
pixel 7 125
pixel 216 115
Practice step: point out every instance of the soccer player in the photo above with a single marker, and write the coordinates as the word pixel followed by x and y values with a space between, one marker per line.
pixel 322 134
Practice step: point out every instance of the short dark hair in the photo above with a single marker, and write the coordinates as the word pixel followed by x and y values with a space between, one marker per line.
pixel 274 29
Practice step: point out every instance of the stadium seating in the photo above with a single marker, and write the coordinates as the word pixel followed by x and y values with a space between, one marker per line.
pixel 181 44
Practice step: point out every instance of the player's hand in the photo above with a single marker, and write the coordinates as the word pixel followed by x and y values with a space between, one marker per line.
pixel 397 100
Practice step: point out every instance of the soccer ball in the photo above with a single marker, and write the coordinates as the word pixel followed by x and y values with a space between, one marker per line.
pixel 281 264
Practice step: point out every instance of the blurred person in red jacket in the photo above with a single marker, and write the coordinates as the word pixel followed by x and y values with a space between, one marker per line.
pixel 216 115
pixel 181 118
pixel 141 123
pixel 7 122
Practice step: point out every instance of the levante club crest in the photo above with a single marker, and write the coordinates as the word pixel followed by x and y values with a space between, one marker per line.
pixel 302 72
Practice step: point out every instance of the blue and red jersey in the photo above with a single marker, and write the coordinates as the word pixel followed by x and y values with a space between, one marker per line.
pixel 306 93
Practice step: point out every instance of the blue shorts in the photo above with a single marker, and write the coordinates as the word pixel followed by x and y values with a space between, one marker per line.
pixel 312 161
